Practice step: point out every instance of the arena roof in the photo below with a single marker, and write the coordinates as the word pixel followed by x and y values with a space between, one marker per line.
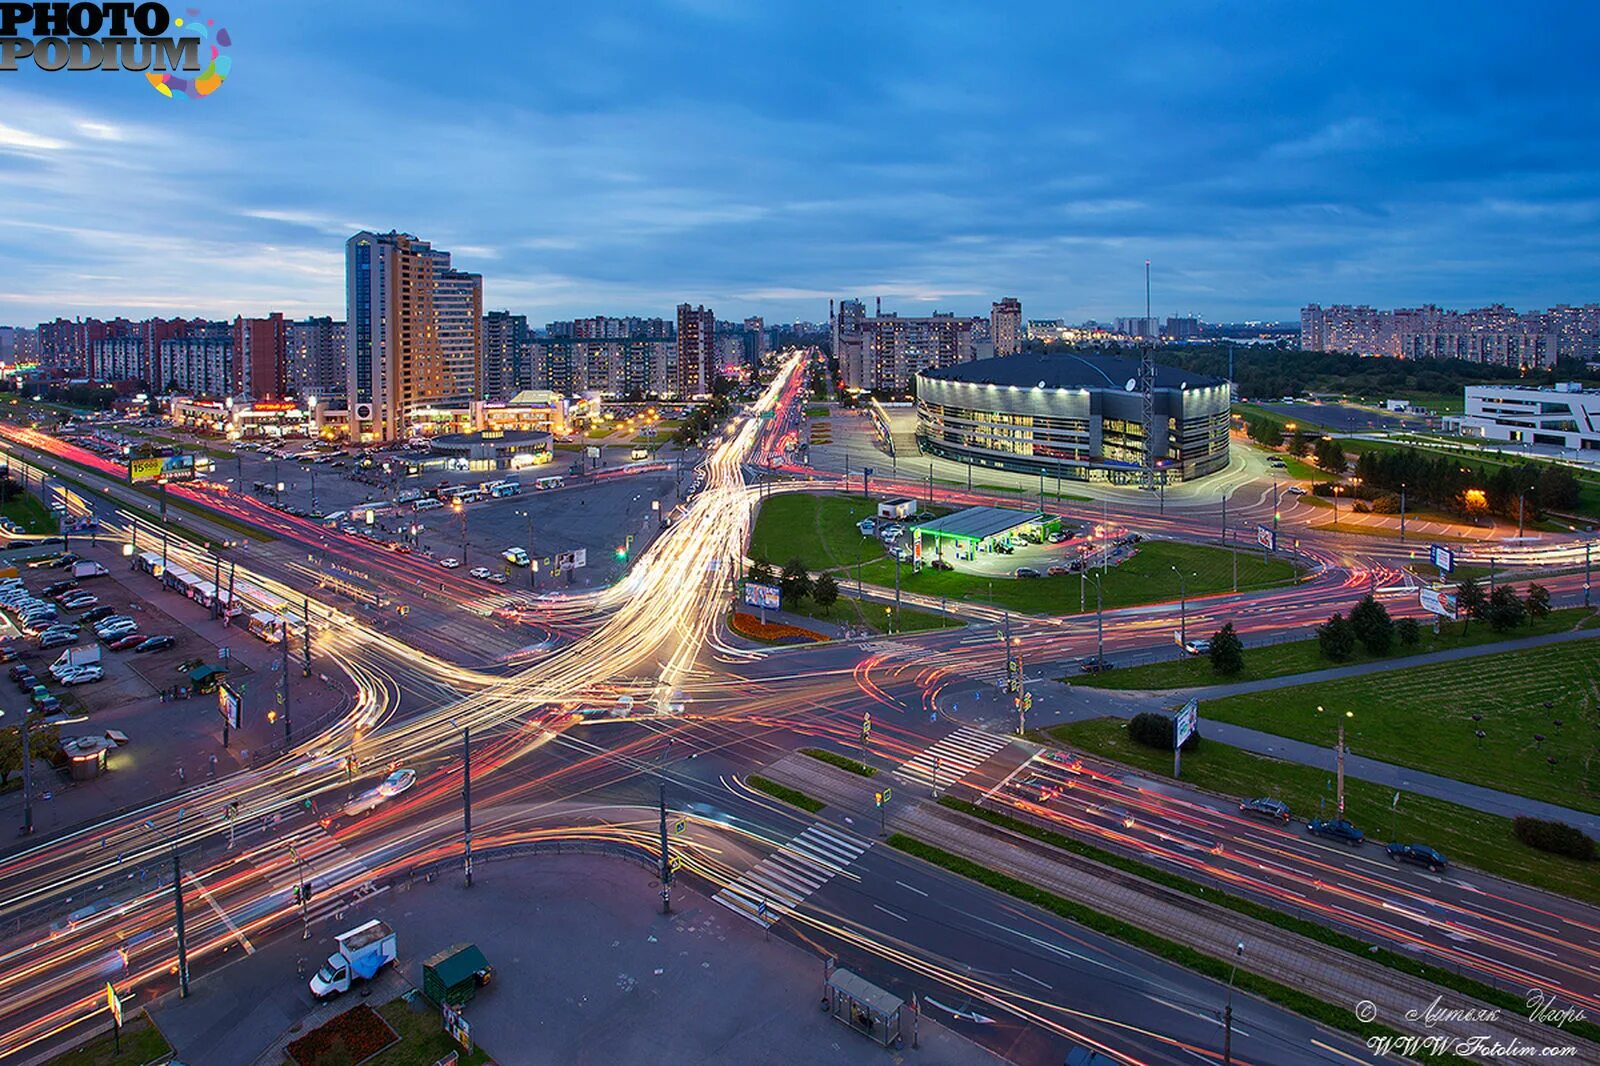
pixel 1066 370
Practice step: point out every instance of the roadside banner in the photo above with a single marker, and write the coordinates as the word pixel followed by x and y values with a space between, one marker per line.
pixel 1439 601
pixel 1267 538
pixel 1183 726
pixel 1443 559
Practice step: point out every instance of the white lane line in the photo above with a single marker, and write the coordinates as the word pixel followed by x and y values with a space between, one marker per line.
pixel 1026 763
pixel 1035 980
pixel 911 888
pixel 889 912
pixel 249 948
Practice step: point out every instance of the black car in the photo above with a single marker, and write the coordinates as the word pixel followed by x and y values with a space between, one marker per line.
pixel 1336 829
pixel 19 671
pixel 154 644
pixel 1420 854
pixel 94 614
pixel 66 560
pixel 56 587
pixel 1265 808
pixel 1094 664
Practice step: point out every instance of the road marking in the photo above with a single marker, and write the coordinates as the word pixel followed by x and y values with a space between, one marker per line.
pixel 911 888
pixel 954 757
pixel 775 887
pixel 889 912
pixel 1336 1051
pixel 249 948
pixel 1035 980
pixel 1009 777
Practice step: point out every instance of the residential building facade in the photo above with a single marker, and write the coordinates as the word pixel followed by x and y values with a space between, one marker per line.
pixel 695 369
pixel 1005 326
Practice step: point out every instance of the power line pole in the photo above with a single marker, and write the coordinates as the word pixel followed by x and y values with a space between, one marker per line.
pixel 305 613
pixel 466 800
pixel 27 772
pixel 1147 391
pixel 283 690
pixel 666 858
pixel 216 584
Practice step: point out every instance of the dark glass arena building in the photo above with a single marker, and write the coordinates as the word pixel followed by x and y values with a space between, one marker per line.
pixel 1073 416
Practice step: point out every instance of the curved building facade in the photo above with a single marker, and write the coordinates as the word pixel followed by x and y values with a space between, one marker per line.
pixel 1072 416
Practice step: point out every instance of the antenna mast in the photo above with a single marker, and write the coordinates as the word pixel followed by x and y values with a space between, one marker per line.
pixel 1147 390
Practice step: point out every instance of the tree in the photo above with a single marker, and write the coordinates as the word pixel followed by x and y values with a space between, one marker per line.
pixel 1506 609
pixel 1538 601
pixel 1330 455
pixel 1227 651
pixel 760 571
pixel 1155 730
pixel 1299 445
pixel 795 582
pixel 1372 625
pixel 1409 632
pixel 1470 601
pixel 825 591
pixel 42 738
pixel 1337 638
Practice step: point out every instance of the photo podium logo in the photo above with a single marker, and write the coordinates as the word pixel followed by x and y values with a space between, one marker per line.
pixel 180 55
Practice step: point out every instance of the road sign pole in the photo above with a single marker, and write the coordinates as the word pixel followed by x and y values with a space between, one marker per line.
pixel 466 800
pixel 666 858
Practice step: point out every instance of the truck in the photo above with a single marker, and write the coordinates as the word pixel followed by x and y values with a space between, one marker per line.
pixel 88 568
pixel 361 953
pixel 516 556
pixel 85 655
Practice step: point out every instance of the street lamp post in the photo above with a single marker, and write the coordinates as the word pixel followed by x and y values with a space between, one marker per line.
pixel 1335 496
pixel 1183 607
pixel 1099 628
pixel 1227 1011
pixel 1402 512
pixel 177 906
pixel 1338 755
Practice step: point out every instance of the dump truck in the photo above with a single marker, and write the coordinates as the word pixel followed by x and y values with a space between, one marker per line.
pixel 362 952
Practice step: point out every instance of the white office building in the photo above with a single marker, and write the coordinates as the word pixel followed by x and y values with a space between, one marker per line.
pixel 1565 416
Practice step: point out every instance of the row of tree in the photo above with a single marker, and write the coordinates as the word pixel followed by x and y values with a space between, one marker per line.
pixel 1453 484
pixel 795 583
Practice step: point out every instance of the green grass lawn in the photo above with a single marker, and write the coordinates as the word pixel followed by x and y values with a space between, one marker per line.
pixel 1422 717
pixel 1301 470
pixel 1463 834
pixel 1145 578
pixel 1303 656
pixel 422 1038
pixel 141 1043
pixel 818 411
pixel 819 530
pixel 1282 420
pixel 872 615
pixel 1588 485
pixel 29 512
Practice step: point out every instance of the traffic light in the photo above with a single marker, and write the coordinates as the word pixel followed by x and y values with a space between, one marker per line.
pixel 878 798
pixel 294 895
pixel 622 552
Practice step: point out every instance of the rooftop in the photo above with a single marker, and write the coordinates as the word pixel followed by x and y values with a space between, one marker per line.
pixel 978 523
pixel 1067 370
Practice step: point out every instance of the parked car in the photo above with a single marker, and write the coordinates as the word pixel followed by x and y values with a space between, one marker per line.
pixel 81 675
pixel 1420 854
pixel 132 640
pixel 105 610
pixel 941 564
pixel 1336 829
pixel 1028 571
pixel 47 705
pixel 55 588
pixel 1094 664
pixel 56 639
pixel 80 603
pixel 1197 647
pixel 1058 537
pixel 1265 808
pixel 7 654
pixel 19 671
pixel 161 643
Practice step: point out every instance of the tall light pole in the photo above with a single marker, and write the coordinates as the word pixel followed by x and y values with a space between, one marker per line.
pixel 1402 512
pixel 177 905
pixel 1227 1011
pixel 1099 628
pixel 466 798
pixel 1183 607
pixel 1338 754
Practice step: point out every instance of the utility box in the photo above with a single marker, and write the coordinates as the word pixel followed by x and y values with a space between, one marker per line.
pixel 454 975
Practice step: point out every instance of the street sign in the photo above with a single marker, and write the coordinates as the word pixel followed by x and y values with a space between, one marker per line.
pixel 678 826
pixel 1267 538
pixel 866 724
pixel 884 797
pixel 1184 725
pixel 113 1003
pixel 769 596
pixel 592 451
pixel 1438 601
pixel 1442 558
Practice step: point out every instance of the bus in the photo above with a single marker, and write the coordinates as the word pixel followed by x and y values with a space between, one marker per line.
pixel 506 488
pixel 554 482
pixel 266 626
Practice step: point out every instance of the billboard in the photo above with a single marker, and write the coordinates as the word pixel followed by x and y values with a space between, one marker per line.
pixel 1186 722
pixel 230 705
pixel 163 468
pixel 1443 559
pixel 770 596
pixel 572 560
pixel 1441 602
pixel 1267 538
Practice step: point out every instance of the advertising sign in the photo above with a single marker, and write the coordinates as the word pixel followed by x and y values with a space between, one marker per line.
pixel 163 468
pixel 1442 558
pixel 114 1003
pixel 769 596
pixel 1439 601
pixel 1267 538
pixel 458 1028
pixel 229 704
pixel 1184 725
pixel 916 550
pixel 592 451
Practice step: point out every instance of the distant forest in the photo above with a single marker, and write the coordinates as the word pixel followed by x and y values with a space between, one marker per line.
pixel 1264 373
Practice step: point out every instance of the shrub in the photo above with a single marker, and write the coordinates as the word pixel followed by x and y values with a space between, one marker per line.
pixel 1371 625
pixel 1154 730
pixel 1336 638
pixel 1558 838
pixel 1227 652
pixel 1409 630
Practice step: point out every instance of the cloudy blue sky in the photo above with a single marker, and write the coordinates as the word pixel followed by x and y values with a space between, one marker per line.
pixel 762 156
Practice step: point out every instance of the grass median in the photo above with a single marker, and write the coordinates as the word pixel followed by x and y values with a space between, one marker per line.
pixel 819 530
pixel 1217 969
pixel 1466 836
pixel 791 796
pixel 843 762
pixel 1304 656
pixel 1311 930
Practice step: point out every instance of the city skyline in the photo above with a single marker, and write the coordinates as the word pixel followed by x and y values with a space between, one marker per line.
pixel 1257 175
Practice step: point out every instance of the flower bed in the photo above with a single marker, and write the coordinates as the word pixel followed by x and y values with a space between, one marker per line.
pixel 750 626
pixel 362 1031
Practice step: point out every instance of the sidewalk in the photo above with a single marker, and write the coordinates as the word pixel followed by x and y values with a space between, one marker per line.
pixel 1332 975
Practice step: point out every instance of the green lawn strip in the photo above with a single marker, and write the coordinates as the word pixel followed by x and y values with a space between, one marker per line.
pixel 1260 912
pixel 1283 421
pixel 1301 470
pixel 843 762
pixel 1466 836
pixel 142 1042
pixel 817 529
pixel 1147 577
pixel 818 411
pixel 864 612
pixel 1217 969
pixel 793 797
pixel 29 512
pixel 1421 717
pixel 423 1041
pixel 1304 656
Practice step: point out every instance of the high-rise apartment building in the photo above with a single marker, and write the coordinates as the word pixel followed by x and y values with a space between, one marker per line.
pixel 1005 326
pixel 1495 334
pixel 201 363
pixel 65 343
pixel 505 340
pixel 1141 328
pixel 619 367
pixel 696 369
pixel 884 352
pixel 755 339
pixel 261 357
pixel 316 358
pixel 412 331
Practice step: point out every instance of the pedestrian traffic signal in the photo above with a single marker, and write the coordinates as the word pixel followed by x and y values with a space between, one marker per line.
pixel 294 894
pixel 878 798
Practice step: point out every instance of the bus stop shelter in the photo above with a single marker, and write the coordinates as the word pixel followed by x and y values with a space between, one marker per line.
pixel 864 1007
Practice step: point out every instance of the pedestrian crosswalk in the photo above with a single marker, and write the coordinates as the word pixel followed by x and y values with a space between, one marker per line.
pixel 952 758
pixel 325 865
pixel 774 887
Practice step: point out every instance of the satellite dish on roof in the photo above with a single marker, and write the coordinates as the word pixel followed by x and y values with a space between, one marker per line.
pixel 1131 385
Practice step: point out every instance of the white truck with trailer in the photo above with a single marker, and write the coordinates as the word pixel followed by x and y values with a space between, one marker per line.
pixel 362 952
